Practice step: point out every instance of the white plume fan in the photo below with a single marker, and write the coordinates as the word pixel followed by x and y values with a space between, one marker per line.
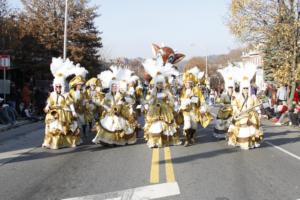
pixel 105 77
pixel 152 68
pixel 61 70
pixel 80 71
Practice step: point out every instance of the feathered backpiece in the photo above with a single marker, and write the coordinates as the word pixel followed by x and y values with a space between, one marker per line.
pixel 245 74
pixel 230 75
pixel 105 78
pixel 117 75
pixel 158 71
pixel 80 71
pixel 61 70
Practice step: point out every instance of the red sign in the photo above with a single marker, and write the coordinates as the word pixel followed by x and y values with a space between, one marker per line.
pixel 4 61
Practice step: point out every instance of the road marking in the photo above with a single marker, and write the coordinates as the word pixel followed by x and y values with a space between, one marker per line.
pixel 169 166
pixel 283 150
pixel 147 192
pixel 154 173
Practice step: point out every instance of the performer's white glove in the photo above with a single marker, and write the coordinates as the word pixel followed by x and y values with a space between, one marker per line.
pixel 161 95
pixel 194 99
pixel 74 114
pixel 186 102
pixel 203 109
pixel 146 106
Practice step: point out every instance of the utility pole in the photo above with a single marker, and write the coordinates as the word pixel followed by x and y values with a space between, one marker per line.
pixel 65 31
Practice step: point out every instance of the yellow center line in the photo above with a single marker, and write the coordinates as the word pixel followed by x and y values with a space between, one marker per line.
pixel 154 173
pixel 169 166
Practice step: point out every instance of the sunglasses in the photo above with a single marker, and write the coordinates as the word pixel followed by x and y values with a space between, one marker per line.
pixel 58 86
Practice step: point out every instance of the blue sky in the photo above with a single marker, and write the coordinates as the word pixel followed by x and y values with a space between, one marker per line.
pixel 193 27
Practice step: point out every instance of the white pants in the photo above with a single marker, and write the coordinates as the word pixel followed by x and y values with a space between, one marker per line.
pixel 189 121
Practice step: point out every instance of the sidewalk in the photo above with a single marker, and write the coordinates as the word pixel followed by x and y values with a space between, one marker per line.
pixel 5 127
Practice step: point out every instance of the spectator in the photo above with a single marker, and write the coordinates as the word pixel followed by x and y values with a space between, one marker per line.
pixel 282 113
pixel 28 114
pixel 12 97
pixel 7 113
pixel 281 94
pixel 294 114
pixel 296 95
pixel 26 95
pixel 267 111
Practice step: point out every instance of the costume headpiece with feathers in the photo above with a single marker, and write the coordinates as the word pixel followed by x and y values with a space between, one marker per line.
pixel 193 75
pixel 80 74
pixel 159 72
pixel 245 74
pixel 116 75
pixel 230 75
pixel 61 70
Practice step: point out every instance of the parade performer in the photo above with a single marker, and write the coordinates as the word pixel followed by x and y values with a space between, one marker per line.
pixel 79 98
pixel 160 125
pixel 95 97
pixel 117 125
pixel 245 130
pixel 61 130
pixel 193 106
pixel 224 116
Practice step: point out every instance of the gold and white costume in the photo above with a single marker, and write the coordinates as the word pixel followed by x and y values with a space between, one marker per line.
pixel 246 130
pixel 160 124
pixel 95 98
pixel 61 130
pixel 161 128
pixel 224 116
pixel 118 124
pixel 193 106
pixel 79 98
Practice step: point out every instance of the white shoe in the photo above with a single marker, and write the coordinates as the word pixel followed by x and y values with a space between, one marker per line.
pixel 278 124
pixel 257 145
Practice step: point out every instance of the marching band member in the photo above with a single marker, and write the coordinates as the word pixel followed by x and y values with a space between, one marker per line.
pixel 224 116
pixel 192 106
pixel 160 128
pixel 95 97
pixel 245 130
pixel 61 129
pixel 117 125
pixel 78 97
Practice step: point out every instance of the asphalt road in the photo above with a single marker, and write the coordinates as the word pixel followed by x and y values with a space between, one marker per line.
pixel 208 170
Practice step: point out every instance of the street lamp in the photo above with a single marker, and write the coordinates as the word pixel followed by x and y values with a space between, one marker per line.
pixel 65 30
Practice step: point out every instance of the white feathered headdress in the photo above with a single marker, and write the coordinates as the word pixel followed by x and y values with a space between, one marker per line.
pixel 117 75
pixel 61 70
pixel 159 72
pixel 105 78
pixel 196 72
pixel 230 75
pixel 80 75
pixel 245 74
